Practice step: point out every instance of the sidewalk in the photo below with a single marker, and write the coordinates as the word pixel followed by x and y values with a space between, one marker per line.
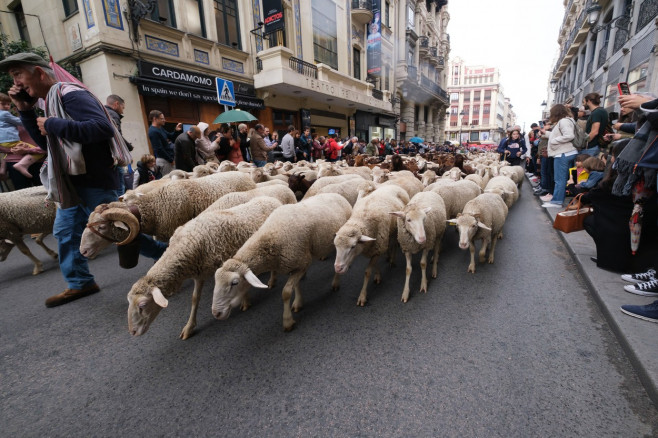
pixel 638 338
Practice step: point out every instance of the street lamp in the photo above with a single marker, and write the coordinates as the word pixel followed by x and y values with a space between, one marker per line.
pixel 461 117
pixel 593 13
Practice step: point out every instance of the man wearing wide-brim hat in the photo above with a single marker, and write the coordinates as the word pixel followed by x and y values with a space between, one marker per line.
pixel 80 172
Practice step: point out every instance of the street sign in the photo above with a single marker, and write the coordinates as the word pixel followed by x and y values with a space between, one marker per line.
pixel 225 93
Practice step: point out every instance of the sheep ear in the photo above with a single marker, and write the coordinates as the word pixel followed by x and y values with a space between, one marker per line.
pixel 159 299
pixel 253 280
pixel 427 209
pixel 396 213
pixel 121 225
pixel 483 226
pixel 366 239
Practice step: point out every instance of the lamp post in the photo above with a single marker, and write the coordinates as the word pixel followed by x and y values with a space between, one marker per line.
pixel 461 117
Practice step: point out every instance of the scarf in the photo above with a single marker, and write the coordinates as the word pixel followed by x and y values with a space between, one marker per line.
pixel 630 169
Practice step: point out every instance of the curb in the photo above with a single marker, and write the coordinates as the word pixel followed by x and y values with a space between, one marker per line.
pixel 637 337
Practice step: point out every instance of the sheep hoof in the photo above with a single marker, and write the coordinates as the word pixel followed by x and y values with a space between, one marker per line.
pixel 378 279
pixel 54 256
pixel 296 308
pixel 471 268
pixel 289 326
pixel 361 302
pixel 187 332
pixel 491 260
pixel 245 305
pixel 405 296
pixel 423 289
pixel 37 270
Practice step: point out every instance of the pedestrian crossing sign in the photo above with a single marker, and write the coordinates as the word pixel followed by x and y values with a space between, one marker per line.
pixel 225 94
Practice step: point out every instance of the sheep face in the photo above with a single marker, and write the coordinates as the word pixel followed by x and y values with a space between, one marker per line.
pixel 144 304
pixel 5 247
pixel 349 244
pixel 467 226
pixel 91 243
pixel 232 282
pixel 413 220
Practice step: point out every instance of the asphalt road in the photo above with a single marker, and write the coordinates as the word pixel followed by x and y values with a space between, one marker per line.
pixel 518 349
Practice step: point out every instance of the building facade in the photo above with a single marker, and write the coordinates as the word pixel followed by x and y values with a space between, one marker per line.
pixel 328 64
pixel 603 43
pixel 479 110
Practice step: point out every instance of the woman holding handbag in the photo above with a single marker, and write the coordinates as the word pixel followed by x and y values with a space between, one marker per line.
pixel 560 147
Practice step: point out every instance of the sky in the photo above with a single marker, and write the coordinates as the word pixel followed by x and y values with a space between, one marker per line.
pixel 517 36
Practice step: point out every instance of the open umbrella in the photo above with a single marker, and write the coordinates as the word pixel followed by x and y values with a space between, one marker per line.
pixel 234 116
pixel 416 140
pixel 62 75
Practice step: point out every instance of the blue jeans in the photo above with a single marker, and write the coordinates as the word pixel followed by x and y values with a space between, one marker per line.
pixel 259 163
pixel 151 248
pixel 68 228
pixel 561 167
pixel 593 151
pixel 547 181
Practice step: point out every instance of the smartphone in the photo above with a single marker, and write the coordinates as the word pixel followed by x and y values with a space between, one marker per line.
pixel 541 123
pixel 623 88
pixel 24 96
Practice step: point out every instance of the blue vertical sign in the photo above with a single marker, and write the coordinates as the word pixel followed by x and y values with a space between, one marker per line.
pixel 374 41
pixel 225 93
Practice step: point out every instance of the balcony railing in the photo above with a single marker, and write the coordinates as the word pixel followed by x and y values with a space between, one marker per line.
pixel 434 88
pixel 434 51
pixel 424 42
pixel 303 68
pixel 377 94
pixel 572 35
pixel 362 4
pixel 588 73
pixel 603 53
pixel 259 64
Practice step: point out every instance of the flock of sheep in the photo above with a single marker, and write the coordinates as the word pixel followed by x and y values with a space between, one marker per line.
pixel 236 222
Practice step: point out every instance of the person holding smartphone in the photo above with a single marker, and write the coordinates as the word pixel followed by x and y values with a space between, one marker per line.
pixel 76 131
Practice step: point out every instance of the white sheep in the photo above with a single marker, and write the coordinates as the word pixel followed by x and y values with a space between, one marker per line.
pixel 325 181
pixel 258 175
pixel 349 189
pixel 515 173
pixel 421 225
pixel 428 177
pixel 284 245
pixel 483 218
pixel 456 195
pixel 407 181
pixel 195 251
pixel 26 212
pixel 370 231
pixel 505 188
pixel 477 179
pixel 277 191
pixel 160 212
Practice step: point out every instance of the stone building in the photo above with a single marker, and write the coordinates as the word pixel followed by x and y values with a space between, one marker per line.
pixel 603 43
pixel 328 64
pixel 479 110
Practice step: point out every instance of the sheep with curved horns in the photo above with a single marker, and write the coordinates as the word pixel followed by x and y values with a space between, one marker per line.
pixel 158 213
pixel 25 212
pixel 482 219
pixel 370 231
pixel 421 225
pixel 283 247
pixel 195 251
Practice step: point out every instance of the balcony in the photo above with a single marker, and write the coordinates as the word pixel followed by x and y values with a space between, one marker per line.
pixel 362 11
pixel 577 35
pixel 424 45
pixel 435 89
pixel 283 74
pixel 412 72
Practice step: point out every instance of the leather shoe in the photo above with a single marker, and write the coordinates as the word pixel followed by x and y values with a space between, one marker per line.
pixel 71 295
pixel 594 259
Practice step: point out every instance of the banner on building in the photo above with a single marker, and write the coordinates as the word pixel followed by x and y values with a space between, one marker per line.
pixel 374 42
pixel 273 12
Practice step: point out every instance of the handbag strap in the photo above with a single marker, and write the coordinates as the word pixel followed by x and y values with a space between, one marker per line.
pixel 577 199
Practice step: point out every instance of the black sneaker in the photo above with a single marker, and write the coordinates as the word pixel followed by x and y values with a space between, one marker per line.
pixel 641 277
pixel 646 289
pixel 541 193
pixel 647 313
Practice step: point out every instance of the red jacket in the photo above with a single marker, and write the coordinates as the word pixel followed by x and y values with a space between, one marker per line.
pixel 333 148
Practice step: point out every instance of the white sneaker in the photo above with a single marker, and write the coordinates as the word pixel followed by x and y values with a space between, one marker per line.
pixel 649 275
pixel 551 205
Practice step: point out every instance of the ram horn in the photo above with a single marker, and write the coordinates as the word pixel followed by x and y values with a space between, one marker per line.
pixel 123 215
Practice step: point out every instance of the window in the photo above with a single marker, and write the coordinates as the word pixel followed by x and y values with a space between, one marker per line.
pixel 356 59
pixel 411 19
pixel 475 122
pixel 454 97
pixel 387 72
pixel 227 22
pixel 485 109
pixel 195 20
pixel 387 7
pixel 70 7
pixel 21 23
pixel 410 56
pixel 325 40
pixel 453 111
pixel 164 13
pixel 637 78
pixel 476 109
pixel 476 96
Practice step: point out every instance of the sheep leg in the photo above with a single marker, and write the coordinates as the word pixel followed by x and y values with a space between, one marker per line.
pixel 298 302
pixel 391 252
pixel 39 241
pixel 286 294
pixel 246 304
pixel 378 275
pixel 492 249
pixel 366 278
pixel 471 266
pixel 191 322
pixel 405 291
pixel 335 284
pixel 423 269
pixel 38 266
pixel 435 258
pixel 483 250
pixel 272 282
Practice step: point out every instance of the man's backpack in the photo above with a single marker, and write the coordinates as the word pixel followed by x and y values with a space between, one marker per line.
pixel 580 137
